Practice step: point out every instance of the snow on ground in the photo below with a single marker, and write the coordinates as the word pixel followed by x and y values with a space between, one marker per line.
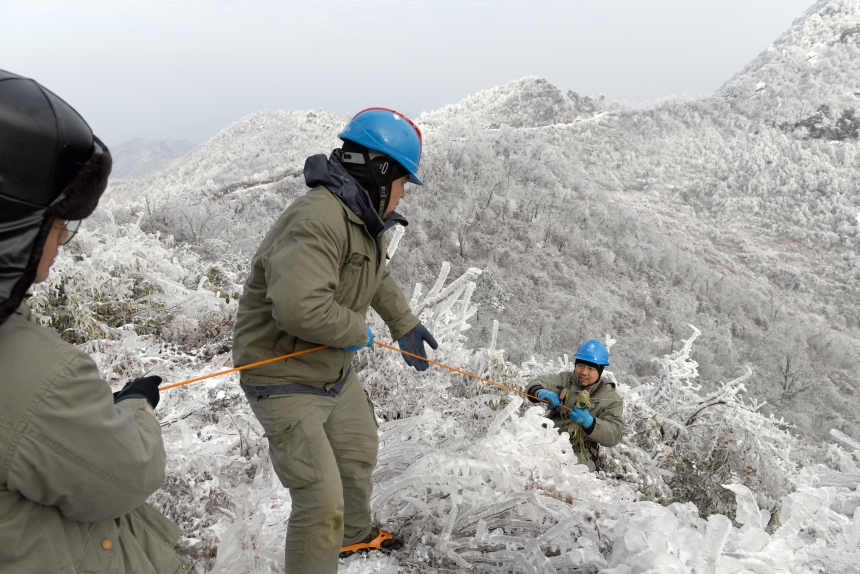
pixel 471 476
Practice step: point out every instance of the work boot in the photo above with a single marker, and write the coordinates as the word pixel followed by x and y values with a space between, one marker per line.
pixel 378 539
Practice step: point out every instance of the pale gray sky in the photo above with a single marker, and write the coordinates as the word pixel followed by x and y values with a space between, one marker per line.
pixel 186 69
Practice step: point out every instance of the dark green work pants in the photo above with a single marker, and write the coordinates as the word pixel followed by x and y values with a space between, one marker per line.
pixel 324 450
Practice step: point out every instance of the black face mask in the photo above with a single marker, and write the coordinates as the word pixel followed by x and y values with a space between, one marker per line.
pixel 373 171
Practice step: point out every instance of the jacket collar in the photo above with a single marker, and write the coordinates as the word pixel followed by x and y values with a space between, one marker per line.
pixel 328 172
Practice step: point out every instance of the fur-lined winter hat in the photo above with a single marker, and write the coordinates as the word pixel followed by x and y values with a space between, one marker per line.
pixel 51 167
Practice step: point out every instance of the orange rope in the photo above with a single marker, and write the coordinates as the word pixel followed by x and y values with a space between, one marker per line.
pixel 283 357
pixel 456 370
pixel 242 368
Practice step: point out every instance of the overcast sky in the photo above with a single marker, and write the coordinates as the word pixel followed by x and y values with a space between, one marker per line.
pixel 186 69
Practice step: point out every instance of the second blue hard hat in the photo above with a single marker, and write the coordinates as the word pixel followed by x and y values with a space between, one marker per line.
pixel 593 351
pixel 388 132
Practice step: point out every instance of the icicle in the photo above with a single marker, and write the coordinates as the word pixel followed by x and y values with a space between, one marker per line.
pixel 432 299
pixel 849 443
pixel 416 294
pixel 480 534
pixel 504 415
pixel 440 280
pixel 467 296
pixel 716 535
pixel 399 231
pixel 748 512
pixel 609 342
pixel 492 348
pixel 854 540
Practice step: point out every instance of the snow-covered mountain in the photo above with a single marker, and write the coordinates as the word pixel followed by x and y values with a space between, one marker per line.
pixel 591 218
pixel 736 214
pixel 807 79
pixel 139 157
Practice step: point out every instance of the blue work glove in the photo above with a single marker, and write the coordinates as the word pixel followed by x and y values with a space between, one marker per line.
pixel 369 342
pixel 581 417
pixel 413 342
pixel 550 397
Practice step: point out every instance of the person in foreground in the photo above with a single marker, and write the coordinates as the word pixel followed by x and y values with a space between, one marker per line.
pixel 77 463
pixel 312 280
pixel 603 421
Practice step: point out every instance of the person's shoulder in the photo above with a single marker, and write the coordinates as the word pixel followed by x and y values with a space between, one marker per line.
pixel 318 204
pixel 34 356
pixel 611 391
pixel 21 337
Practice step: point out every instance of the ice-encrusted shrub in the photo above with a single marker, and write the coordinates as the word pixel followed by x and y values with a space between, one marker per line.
pixel 694 444
pixel 114 277
pixel 472 476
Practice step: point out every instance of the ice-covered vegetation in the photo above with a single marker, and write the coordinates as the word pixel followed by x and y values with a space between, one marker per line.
pixel 715 239
pixel 469 474
pixel 587 217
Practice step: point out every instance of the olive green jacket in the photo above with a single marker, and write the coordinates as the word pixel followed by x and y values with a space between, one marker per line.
pixel 75 469
pixel 607 408
pixel 311 283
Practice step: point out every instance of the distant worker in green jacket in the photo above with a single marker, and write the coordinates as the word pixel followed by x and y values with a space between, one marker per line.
pixel 311 282
pixel 603 421
pixel 77 463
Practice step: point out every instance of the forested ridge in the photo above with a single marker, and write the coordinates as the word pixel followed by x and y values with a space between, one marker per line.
pixel 592 218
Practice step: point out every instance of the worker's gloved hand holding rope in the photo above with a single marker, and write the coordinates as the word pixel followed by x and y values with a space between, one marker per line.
pixel 581 417
pixel 143 388
pixel 413 342
pixel 550 397
pixel 369 342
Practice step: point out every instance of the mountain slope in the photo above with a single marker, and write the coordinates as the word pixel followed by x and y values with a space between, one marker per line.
pixel 807 80
pixel 592 219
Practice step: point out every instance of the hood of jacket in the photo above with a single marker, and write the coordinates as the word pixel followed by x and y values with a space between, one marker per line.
pixel 328 172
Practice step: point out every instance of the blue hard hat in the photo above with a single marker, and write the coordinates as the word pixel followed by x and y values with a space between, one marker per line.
pixel 388 132
pixel 593 351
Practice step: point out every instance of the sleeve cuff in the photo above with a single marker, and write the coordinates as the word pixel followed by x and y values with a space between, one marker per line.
pixel 591 426
pixel 533 391
pixel 121 398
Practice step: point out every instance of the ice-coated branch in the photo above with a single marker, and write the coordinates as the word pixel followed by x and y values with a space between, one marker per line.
pixel 441 295
pixel 399 231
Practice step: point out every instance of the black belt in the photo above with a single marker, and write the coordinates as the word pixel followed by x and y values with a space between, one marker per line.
pixel 292 388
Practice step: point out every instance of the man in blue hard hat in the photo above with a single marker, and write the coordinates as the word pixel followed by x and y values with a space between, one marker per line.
pixel 312 280
pixel 603 422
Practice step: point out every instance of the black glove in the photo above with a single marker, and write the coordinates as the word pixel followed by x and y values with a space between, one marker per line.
pixel 145 388
pixel 413 342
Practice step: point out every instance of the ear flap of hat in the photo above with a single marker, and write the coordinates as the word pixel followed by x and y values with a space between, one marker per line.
pixel 80 198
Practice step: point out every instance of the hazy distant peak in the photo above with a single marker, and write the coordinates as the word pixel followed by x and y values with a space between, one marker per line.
pixel 139 157
pixel 260 147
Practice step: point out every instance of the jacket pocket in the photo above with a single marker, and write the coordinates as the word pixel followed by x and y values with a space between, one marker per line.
pixel 353 276
pixel 293 457
pixel 148 542
pixel 101 553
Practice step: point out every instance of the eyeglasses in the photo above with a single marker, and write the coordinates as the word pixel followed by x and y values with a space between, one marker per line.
pixel 401 116
pixel 70 228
